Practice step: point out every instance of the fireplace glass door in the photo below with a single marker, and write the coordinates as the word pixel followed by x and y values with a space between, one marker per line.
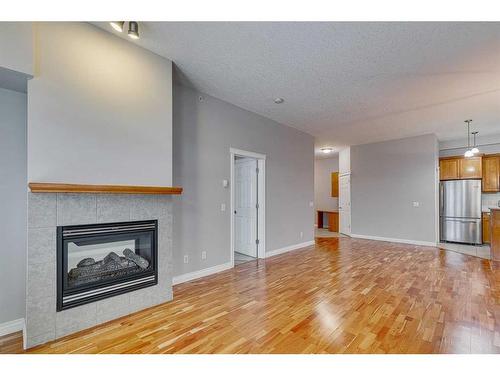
pixel 98 261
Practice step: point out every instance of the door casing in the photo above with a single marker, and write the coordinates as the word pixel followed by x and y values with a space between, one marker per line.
pixel 261 188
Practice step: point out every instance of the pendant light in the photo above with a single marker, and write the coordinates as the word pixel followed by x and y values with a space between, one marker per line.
pixel 468 153
pixel 475 150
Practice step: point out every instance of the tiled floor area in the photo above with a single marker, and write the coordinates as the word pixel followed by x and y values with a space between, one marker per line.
pixel 482 251
pixel 325 233
pixel 242 258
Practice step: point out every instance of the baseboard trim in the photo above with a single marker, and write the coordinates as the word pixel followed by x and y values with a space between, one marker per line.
pixel 11 327
pixel 397 240
pixel 288 248
pixel 201 273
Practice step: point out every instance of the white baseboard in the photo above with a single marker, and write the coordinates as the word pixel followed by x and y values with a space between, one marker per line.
pixel 397 240
pixel 288 248
pixel 11 327
pixel 201 273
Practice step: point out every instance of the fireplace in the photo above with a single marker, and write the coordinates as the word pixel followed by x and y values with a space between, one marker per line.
pixel 102 260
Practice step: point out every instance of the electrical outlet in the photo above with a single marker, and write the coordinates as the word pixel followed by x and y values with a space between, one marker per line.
pixel 311 204
pixel 203 255
pixel 416 204
pixel 186 259
pixel 301 234
pixel 223 207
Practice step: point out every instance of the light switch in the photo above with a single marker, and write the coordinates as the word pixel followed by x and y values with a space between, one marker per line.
pixel 225 183
pixel 223 207
pixel 416 204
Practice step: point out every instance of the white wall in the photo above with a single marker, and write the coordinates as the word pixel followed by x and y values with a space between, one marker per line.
pixel 345 161
pixel 13 205
pixel 203 133
pixel 386 178
pixel 323 168
pixel 99 109
pixel 16 46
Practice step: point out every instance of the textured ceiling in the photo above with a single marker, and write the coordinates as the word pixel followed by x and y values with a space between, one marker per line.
pixel 345 83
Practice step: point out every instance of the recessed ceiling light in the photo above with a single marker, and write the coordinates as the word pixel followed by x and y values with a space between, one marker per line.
pixel 279 100
pixel 117 25
pixel 326 150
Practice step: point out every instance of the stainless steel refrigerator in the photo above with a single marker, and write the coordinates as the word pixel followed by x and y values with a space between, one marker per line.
pixel 460 211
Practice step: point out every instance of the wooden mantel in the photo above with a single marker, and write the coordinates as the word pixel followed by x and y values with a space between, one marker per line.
pixel 46 187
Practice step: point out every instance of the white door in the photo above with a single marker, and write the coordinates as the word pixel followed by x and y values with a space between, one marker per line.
pixel 245 206
pixel 345 204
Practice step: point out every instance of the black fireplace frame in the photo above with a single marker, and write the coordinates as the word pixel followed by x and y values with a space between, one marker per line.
pixel 62 265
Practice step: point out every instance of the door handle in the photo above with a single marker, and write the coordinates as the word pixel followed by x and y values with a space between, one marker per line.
pixel 235 212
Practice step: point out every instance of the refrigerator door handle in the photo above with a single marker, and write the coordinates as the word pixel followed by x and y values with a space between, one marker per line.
pixel 441 198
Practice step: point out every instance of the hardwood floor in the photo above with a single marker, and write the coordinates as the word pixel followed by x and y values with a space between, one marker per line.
pixel 340 296
pixel 11 344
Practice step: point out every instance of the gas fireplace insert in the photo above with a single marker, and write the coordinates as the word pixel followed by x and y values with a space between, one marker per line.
pixel 102 260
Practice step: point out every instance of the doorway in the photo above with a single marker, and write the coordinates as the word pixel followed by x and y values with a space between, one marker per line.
pixel 247 206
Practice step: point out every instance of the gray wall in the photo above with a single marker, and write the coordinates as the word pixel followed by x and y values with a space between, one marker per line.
pixel 99 109
pixel 16 46
pixel 386 178
pixel 13 204
pixel 203 133
pixel 323 169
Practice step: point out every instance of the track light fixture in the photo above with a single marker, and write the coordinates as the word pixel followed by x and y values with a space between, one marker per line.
pixel 133 28
pixel 117 25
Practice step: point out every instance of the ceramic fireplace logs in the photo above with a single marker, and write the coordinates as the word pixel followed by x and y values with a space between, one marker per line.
pixel 88 270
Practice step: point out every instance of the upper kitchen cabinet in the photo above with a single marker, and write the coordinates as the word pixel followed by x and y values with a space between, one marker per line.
pixel 491 173
pixel 454 168
pixel 470 167
pixel 448 169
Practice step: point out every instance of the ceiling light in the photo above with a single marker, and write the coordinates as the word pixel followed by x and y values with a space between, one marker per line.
pixel 117 25
pixel 279 100
pixel 326 150
pixel 474 149
pixel 468 153
pixel 133 30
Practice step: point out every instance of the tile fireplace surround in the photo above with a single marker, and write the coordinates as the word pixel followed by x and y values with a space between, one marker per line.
pixel 46 211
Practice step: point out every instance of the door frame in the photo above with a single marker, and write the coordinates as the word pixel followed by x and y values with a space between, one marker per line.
pixel 261 191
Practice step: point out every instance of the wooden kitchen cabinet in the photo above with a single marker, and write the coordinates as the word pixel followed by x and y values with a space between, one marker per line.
pixel 486 227
pixel 335 184
pixel 448 169
pixel 459 168
pixel 491 173
pixel 470 167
